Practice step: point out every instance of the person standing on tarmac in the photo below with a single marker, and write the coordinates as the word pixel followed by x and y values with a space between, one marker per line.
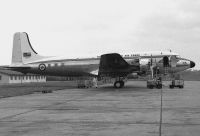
pixel 95 82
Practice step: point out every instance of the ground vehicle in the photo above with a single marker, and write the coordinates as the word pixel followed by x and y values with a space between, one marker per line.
pixel 157 83
pixel 177 83
pixel 84 83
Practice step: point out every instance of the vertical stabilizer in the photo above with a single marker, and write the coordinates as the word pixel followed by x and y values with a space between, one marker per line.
pixel 16 52
pixel 23 52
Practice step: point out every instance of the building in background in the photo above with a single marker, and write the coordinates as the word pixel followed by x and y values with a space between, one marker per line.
pixel 11 77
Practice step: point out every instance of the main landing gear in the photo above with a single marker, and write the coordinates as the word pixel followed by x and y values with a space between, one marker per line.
pixel 119 83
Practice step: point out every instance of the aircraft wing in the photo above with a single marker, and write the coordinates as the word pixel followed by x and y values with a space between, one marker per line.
pixel 113 65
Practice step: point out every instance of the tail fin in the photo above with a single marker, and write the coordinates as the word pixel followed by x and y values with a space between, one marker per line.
pixel 22 50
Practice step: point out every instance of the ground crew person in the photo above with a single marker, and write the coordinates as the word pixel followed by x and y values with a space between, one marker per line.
pixel 95 82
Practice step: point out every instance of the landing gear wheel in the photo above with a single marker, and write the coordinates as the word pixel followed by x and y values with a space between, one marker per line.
pixel 119 84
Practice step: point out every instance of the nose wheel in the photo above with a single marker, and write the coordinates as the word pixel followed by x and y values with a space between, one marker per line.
pixel 119 84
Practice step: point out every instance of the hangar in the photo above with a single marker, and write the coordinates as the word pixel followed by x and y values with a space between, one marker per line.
pixel 13 77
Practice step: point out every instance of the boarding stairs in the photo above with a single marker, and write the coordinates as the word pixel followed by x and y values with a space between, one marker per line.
pixel 166 70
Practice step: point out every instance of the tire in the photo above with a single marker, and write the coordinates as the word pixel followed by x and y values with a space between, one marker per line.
pixel 118 84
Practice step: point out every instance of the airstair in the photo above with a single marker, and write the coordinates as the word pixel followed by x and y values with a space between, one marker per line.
pixel 166 70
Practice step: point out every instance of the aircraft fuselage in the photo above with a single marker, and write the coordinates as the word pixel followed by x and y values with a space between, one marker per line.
pixel 83 67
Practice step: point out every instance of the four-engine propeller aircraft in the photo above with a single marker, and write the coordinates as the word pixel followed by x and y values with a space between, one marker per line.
pixel 26 60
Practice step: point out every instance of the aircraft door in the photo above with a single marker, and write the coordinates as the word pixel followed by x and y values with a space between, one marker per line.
pixel 173 61
pixel 165 61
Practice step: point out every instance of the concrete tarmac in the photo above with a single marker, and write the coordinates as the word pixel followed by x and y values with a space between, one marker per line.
pixel 130 111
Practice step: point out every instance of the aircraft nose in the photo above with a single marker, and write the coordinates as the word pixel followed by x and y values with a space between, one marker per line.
pixel 192 64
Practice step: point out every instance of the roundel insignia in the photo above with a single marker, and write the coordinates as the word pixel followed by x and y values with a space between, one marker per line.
pixel 42 67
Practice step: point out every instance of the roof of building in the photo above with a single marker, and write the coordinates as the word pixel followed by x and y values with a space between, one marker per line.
pixel 10 72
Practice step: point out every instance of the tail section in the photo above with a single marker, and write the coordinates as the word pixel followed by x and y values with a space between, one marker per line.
pixel 23 52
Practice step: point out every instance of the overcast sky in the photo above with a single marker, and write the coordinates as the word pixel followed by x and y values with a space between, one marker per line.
pixel 91 27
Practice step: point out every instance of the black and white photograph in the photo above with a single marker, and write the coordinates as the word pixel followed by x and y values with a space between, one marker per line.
pixel 100 68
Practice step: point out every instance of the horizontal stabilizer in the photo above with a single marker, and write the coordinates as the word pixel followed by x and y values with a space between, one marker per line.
pixel 15 68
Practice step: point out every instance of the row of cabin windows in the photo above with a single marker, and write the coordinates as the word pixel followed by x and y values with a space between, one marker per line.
pixel 26 77
pixel 132 55
pixel 56 64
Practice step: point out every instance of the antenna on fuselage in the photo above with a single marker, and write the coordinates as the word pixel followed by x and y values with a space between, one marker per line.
pixel 169 50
